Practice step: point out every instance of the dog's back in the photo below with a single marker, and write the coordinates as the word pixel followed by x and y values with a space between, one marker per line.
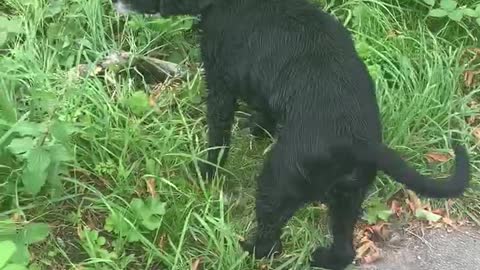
pixel 297 62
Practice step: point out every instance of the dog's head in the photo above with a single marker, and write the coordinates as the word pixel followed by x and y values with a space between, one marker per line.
pixel 161 7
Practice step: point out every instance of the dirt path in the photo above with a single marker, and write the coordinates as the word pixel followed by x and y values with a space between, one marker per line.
pixel 436 250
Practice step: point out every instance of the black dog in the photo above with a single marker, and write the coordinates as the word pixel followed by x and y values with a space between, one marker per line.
pixel 297 66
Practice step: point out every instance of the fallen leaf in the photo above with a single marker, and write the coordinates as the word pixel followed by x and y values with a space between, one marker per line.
pixel 365 248
pixel 379 231
pixel 396 208
pixel 440 212
pixel 449 222
pixel 263 267
pixel 438 157
pixel 152 100
pixel 469 78
pixel 97 70
pixel 372 257
pixel 393 33
pixel 196 265
pixel 471 120
pixel 476 133
pixel 367 253
pixel 151 187
pixel 162 242
pixel 90 222
pixel 413 201
pixel 17 218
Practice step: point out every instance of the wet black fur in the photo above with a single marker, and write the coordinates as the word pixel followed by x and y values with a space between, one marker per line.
pixel 296 65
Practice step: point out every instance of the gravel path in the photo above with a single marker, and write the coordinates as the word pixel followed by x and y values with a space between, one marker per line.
pixel 436 250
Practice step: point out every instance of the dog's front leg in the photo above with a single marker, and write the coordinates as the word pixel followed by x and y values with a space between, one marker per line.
pixel 221 106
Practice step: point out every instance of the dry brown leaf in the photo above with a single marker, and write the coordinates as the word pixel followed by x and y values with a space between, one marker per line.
pixel 396 208
pixel 449 222
pixel 152 100
pixel 196 265
pixel 372 257
pixel 471 120
pixel 151 187
pixel 434 157
pixel 17 218
pixel 393 33
pixel 472 104
pixel 476 133
pixel 263 267
pixel 413 201
pixel 468 78
pixel 365 248
pixel 162 242
pixel 379 231
pixel 90 222
pixel 440 212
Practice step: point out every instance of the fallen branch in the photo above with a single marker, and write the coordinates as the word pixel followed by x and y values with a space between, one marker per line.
pixel 119 60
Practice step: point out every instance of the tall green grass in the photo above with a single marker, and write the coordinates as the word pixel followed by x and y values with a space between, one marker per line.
pixel 416 63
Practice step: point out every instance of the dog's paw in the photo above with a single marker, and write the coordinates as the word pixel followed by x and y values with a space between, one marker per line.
pixel 263 249
pixel 328 259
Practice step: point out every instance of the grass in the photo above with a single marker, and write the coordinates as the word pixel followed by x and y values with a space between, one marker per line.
pixel 100 150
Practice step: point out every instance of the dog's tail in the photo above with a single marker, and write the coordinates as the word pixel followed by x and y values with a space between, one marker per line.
pixel 390 162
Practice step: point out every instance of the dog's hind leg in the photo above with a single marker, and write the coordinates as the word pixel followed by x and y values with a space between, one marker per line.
pixel 277 199
pixel 345 206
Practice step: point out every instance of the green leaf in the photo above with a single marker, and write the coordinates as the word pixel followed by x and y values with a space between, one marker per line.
pixel 15 267
pixel 38 159
pixel 470 12
pixel 21 145
pixel 59 153
pixel 7 229
pixel 149 213
pixel 21 255
pixel 426 215
pixel 478 21
pixel 35 174
pixel 54 180
pixel 36 232
pixel 477 10
pixel 33 181
pixel 448 5
pixel 12 25
pixel 456 15
pixel 101 241
pixel 138 103
pixel 115 223
pixel 377 210
pixel 429 2
pixel 8 248
pixel 3 37
pixel 437 12
pixel 363 49
pixel 61 130
pixel 150 166
pixel 30 129
pixel 54 8
pixel 384 214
